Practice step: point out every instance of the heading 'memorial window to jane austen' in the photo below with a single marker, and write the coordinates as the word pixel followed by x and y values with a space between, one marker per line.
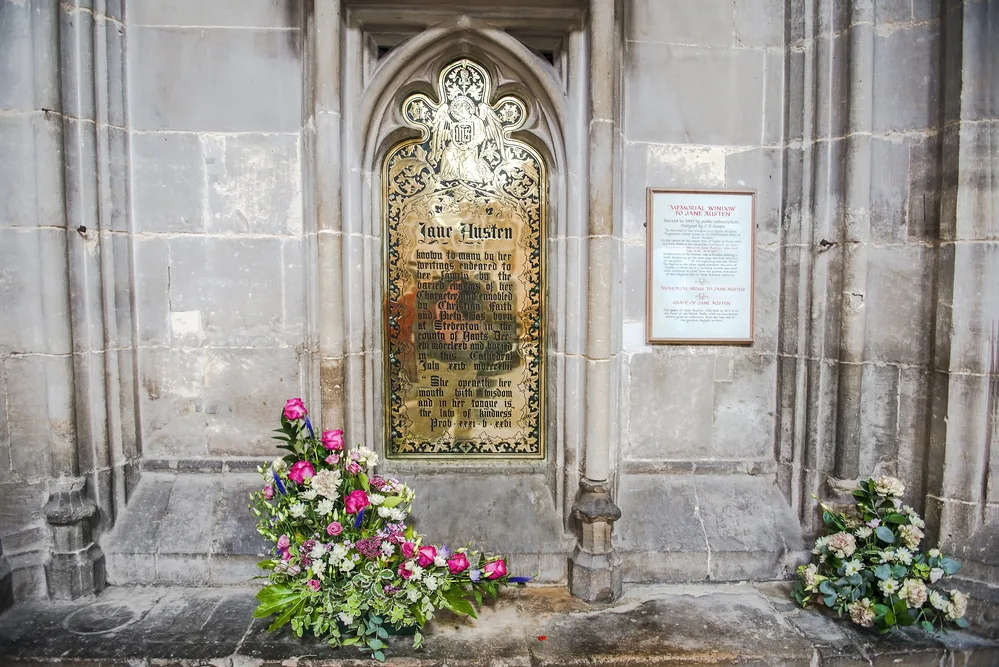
pixel 465 208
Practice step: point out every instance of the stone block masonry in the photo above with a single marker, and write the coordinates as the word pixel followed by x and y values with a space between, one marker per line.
pixel 190 232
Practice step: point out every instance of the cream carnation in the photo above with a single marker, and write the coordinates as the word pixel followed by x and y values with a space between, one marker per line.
pixel 888 486
pixel 958 605
pixel 862 613
pixel 327 483
pixel 911 535
pixel 842 545
pixel 915 593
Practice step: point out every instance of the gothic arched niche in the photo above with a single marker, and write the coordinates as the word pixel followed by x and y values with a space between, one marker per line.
pixel 465 211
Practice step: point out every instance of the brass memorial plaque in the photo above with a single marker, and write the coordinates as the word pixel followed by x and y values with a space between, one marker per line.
pixel 465 218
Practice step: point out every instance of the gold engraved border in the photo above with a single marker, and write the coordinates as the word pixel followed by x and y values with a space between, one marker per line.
pixel 406 175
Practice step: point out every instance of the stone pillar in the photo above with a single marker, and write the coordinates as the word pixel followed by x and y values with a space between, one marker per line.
pixel 323 201
pixel 595 570
pixel 6 583
pixel 91 72
pixel 963 478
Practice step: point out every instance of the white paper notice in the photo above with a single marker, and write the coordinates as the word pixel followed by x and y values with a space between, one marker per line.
pixel 701 267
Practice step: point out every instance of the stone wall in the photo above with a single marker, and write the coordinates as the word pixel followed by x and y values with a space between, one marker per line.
pixel 187 239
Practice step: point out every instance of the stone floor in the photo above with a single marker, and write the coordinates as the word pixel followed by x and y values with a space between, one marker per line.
pixel 719 624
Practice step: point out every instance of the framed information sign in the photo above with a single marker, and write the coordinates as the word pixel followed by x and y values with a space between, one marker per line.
pixel 700 266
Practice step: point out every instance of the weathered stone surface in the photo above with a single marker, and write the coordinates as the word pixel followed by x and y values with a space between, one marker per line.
pixel 666 625
pixel 224 13
pixel 516 517
pixel 671 80
pixel 169 183
pixel 233 80
pixel 710 23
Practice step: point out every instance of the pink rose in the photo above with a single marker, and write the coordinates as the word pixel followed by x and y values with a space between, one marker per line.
pixel 301 471
pixel 408 548
pixel 353 468
pixel 495 569
pixel 404 571
pixel 286 556
pixel 457 563
pixel 268 492
pixel 283 542
pixel 334 529
pixel 313 584
pixel 332 459
pixel 333 440
pixel 356 501
pixel 426 556
pixel 294 409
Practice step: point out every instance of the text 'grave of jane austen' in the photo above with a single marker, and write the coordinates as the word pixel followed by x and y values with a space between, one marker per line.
pixel 465 213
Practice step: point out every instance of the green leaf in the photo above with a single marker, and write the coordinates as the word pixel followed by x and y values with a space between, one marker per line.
pixel 860 494
pixel 899 607
pixel 478 597
pixel 961 623
pixel 376 644
pixel 363 479
pixel 286 616
pixel 949 565
pixel 378 655
pixel 885 535
pixel 829 600
pixel 896 519
pixel 899 571
pixel 881 610
pixel 889 618
pixel 855 579
pixel 883 571
pixel 391 501
pixel 927 627
pixel 417 639
pixel 827 588
pixel 456 602
pixel 905 618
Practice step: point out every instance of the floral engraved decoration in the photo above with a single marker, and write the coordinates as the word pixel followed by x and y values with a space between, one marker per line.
pixel 465 207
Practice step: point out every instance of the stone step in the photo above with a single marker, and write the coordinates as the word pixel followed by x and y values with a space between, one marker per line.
pixel 190 529
pixel 707 624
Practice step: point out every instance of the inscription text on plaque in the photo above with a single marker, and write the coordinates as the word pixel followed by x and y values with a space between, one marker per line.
pixel 464 209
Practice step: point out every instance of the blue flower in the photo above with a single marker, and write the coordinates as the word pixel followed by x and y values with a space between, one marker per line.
pixel 474 575
pixel 519 580
pixel 360 517
pixel 308 425
pixel 280 486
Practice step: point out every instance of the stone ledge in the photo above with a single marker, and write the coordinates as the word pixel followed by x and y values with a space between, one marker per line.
pixel 709 624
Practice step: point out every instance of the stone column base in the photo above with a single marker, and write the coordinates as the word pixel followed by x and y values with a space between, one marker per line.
pixel 594 569
pixel 77 564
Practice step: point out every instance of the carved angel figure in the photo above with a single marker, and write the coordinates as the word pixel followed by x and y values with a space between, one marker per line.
pixel 460 132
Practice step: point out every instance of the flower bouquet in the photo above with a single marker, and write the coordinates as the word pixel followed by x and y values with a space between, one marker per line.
pixel 869 566
pixel 345 565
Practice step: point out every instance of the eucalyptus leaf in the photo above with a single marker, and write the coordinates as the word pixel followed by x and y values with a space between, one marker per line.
pixel 883 571
pixel 885 535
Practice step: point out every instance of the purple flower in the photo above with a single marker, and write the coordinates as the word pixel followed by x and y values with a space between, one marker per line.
pixel 474 575
pixel 280 486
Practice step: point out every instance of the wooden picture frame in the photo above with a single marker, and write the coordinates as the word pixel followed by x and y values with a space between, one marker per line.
pixel 701 256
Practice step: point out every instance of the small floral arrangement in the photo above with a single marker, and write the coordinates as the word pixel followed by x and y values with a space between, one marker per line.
pixel 345 565
pixel 869 566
